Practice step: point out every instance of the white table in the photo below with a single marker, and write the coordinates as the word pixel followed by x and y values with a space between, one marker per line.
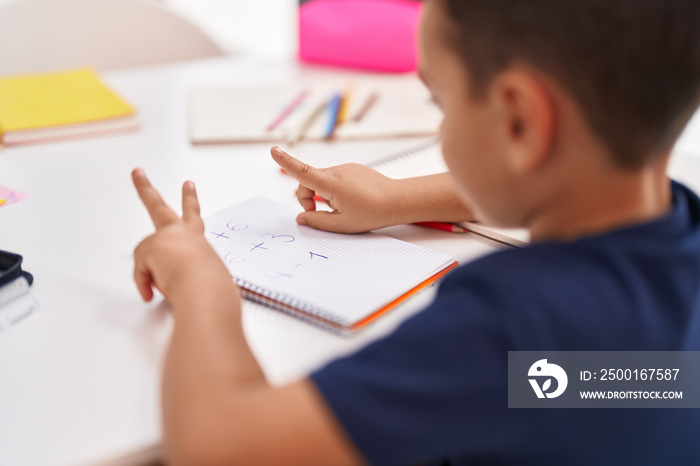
pixel 79 380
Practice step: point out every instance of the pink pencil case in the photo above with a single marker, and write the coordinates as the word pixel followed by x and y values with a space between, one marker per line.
pixel 369 34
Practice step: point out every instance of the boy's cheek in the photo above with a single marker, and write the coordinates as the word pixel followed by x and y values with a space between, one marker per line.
pixel 457 145
pixel 473 167
pixel 457 155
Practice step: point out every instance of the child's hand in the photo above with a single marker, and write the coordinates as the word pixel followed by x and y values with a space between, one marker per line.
pixel 176 259
pixel 362 199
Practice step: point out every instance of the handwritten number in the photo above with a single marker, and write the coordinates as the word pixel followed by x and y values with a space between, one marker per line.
pixel 289 238
pixel 231 259
pixel 236 226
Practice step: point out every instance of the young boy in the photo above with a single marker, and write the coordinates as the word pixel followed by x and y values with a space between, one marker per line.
pixel 559 117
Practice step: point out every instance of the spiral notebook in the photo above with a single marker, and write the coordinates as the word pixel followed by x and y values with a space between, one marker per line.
pixel 336 281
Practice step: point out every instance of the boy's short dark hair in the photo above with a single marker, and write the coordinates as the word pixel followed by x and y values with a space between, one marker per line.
pixel 633 66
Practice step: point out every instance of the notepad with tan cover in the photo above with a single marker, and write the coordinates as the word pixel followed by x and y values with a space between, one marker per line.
pixel 47 106
pixel 242 114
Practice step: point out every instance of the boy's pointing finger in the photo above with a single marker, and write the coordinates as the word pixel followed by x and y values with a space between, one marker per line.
pixel 307 175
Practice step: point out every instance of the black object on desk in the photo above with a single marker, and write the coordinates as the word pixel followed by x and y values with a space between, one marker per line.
pixel 11 268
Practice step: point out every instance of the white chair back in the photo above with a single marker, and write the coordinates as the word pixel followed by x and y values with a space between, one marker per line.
pixel 43 35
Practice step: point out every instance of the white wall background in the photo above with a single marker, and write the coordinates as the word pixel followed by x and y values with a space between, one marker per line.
pixel 260 27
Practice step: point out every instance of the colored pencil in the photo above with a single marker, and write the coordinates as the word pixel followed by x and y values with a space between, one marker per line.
pixel 333 111
pixel 345 104
pixel 366 107
pixel 449 227
pixel 301 131
pixel 288 110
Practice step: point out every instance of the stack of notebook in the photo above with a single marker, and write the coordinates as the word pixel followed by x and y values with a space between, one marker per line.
pixel 51 106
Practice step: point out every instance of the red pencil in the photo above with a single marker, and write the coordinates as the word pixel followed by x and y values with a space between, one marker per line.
pixel 449 227
pixel 288 110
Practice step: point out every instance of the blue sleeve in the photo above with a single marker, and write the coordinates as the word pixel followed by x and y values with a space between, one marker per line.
pixel 435 389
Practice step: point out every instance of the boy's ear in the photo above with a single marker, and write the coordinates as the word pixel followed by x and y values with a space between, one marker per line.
pixel 526 119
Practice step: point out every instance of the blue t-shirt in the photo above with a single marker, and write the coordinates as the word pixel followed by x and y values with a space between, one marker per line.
pixel 435 391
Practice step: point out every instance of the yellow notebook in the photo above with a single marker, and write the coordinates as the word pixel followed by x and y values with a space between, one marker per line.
pixel 58 105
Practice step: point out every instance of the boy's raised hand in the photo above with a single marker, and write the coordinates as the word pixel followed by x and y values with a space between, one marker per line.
pixel 362 199
pixel 176 259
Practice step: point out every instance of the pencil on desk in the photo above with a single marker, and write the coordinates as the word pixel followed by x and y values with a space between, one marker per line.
pixel 301 131
pixel 345 104
pixel 449 227
pixel 333 111
pixel 366 107
pixel 479 230
pixel 286 111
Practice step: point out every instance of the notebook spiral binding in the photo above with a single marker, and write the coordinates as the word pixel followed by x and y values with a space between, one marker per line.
pixel 294 307
pixel 404 153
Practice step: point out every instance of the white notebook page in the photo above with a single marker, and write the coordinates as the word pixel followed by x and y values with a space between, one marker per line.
pixel 342 278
